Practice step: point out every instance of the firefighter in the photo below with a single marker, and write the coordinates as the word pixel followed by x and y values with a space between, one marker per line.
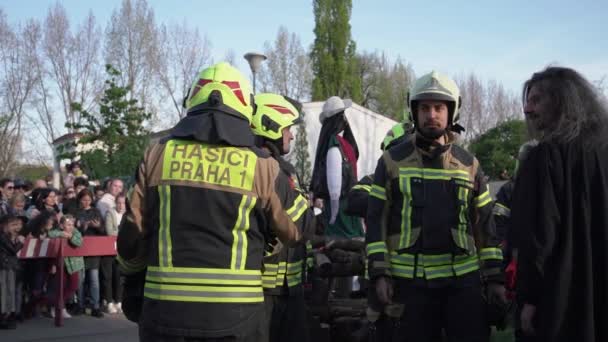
pixel 283 267
pixel 431 242
pixel 204 200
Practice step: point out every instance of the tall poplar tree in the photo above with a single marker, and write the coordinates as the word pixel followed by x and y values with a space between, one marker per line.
pixel 333 54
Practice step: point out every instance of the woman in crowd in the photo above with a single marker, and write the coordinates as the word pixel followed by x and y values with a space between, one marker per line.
pixel 111 276
pixel 89 223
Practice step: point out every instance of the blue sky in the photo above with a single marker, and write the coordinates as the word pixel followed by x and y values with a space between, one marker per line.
pixel 503 40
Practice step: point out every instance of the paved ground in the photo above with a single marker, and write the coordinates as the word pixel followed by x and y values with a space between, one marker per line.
pixel 77 329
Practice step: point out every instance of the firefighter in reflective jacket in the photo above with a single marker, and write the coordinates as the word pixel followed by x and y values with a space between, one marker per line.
pixel 283 267
pixel 430 237
pixel 204 200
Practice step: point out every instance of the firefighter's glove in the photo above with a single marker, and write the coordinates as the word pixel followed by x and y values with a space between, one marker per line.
pixel 384 290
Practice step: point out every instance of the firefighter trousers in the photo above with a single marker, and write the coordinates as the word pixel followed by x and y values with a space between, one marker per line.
pixel 459 311
pixel 287 318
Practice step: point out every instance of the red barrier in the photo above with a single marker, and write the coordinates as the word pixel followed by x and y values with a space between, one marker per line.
pixel 59 248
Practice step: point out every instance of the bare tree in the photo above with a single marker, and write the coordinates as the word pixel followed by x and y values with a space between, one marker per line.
pixel 485 105
pixel 131 44
pixel 473 106
pixel 369 64
pixel 72 60
pixel 181 55
pixel 384 84
pixel 16 84
pixel 287 70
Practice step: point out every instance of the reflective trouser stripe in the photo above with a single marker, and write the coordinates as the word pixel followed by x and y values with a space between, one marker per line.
pixel 239 233
pixel 164 231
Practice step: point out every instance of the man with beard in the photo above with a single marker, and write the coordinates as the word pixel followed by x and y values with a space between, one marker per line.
pixel 559 210
pixel 431 240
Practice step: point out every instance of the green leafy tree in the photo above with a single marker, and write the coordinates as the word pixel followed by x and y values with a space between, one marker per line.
pixel 301 158
pixel 114 138
pixel 497 149
pixel 333 56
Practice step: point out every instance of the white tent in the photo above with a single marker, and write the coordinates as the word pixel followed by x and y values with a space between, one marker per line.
pixel 369 129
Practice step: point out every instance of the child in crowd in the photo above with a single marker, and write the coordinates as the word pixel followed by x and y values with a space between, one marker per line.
pixel 10 243
pixel 73 265
pixel 37 269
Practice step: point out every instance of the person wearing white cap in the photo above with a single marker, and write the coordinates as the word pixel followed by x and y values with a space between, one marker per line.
pixel 335 169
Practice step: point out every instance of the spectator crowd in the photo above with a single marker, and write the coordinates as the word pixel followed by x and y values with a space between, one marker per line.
pixel 28 287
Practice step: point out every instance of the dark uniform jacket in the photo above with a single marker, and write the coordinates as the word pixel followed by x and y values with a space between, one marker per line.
pixel 429 217
pixel 197 220
pixel 560 214
pixel 284 268
pixel 358 197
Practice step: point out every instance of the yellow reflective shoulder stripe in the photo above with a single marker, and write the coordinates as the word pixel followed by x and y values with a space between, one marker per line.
pixel 376 247
pixel 220 165
pixel 378 192
pixel 300 204
pixel 490 253
pixel 164 231
pixel 366 188
pixel 239 233
pixel 501 210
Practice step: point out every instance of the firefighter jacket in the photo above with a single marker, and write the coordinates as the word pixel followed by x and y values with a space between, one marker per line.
pixel 358 197
pixel 198 217
pixel 284 268
pixel 429 215
pixel 502 210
